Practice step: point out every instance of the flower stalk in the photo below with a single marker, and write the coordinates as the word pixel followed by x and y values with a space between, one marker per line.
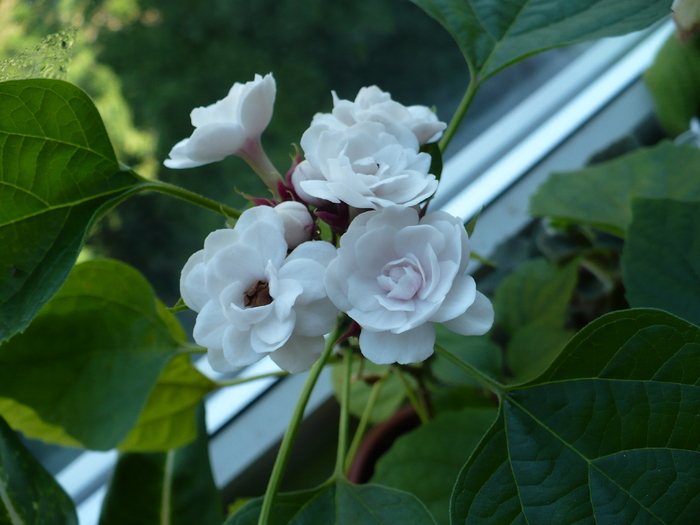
pixel 188 196
pixel 364 421
pixel 289 436
pixel 461 111
pixel 410 394
pixel 477 374
pixel 344 414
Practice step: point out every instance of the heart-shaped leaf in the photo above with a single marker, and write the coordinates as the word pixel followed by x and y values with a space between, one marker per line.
pixel 661 258
pixel 601 196
pixel 58 174
pixel 167 488
pixel 427 460
pixel 341 503
pixel 90 359
pixel 495 33
pixel 28 494
pixel 608 434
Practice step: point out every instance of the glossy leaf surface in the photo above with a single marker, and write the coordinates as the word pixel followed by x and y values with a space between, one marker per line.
pixel 426 461
pixel 168 488
pixel 661 259
pixel 608 434
pixel 58 173
pixel 495 33
pixel 28 494
pixel 340 503
pixel 601 195
pixel 92 356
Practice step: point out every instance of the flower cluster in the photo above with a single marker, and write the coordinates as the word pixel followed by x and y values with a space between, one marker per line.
pixel 270 287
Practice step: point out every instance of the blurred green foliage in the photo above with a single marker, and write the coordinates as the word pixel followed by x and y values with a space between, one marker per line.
pixel 147 63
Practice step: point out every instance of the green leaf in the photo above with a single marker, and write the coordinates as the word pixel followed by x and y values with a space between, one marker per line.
pixel 167 488
pixel 28 494
pixel 493 34
pixel 532 349
pixel 22 417
pixel 168 419
pixel 661 258
pixel 674 83
pixel 479 351
pixel 427 460
pixel 459 397
pixel 608 434
pixel 341 503
pixel 471 225
pixel 90 359
pixel 58 174
pixel 433 149
pixel 537 292
pixel 391 396
pixel 601 196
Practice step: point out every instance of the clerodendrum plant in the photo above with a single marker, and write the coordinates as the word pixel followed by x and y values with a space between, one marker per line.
pixel 343 264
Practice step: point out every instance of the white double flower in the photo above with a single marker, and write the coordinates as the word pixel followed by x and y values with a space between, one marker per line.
pixel 366 153
pixel 255 300
pixel 396 275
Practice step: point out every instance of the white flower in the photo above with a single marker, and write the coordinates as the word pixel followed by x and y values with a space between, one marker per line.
pixel 373 104
pixel 368 165
pixel 298 222
pixel 253 299
pixel 228 126
pixel 396 275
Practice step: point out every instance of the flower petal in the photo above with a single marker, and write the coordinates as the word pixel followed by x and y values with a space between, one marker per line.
pixel 214 142
pixel 237 348
pixel 477 320
pixel 316 318
pixel 210 326
pixel 412 346
pixel 179 159
pixel 256 106
pixel 460 297
pixel 298 354
pixel 308 274
pixel 192 282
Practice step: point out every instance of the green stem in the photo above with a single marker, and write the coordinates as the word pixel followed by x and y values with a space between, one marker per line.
pixel 482 378
pixel 290 434
pixel 344 415
pixel 461 111
pixel 180 306
pixel 240 381
pixel 187 348
pixel 420 410
pixel 364 421
pixel 186 195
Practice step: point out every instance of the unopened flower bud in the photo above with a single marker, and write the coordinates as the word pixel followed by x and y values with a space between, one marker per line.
pixel 298 222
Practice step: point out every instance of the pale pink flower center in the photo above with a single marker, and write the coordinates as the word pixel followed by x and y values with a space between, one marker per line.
pixel 402 278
